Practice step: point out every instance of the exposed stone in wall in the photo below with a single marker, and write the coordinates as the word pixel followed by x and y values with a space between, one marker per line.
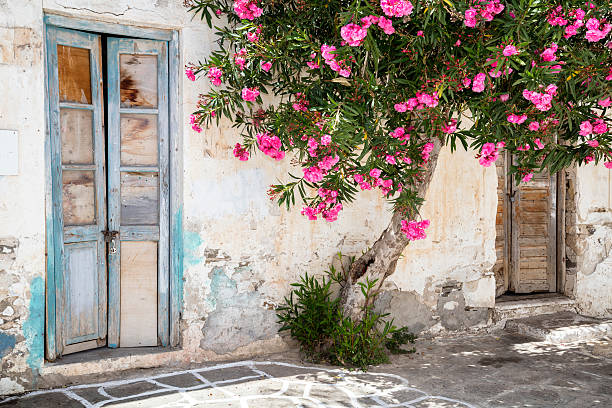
pixel 237 319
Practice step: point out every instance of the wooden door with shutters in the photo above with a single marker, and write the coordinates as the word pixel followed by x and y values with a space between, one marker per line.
pixel 138 192
pixel 79 189
pixel 110 190
pixel 526 227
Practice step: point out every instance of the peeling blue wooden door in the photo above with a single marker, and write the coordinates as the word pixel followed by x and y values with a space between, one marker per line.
pixel 78 189
pixel 138 192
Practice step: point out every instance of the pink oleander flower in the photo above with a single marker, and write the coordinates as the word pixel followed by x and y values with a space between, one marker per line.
pixel 214 75
pixel 396 8
pixel 313 174
pixel 588 159
pixel 600 127
pixel 353 34
pixel 586 128
pixel 608 164
pixel 450 127
pixel 518 119
pixel 326 140
pixel 240 58
pixel 250 94
pixel 240 152
pixel 533 126
pixel 375 173
pixel 247 9
pixel 538 144
pixel 548 54
pixel 593 143
pixel 414 230
pixel 604 103
pixel 312 64
pixel 265 65
pixel 386 25
pixel 190 75
pixel 390 159
pixel 504 97
pixel 328 162
pixel 193 120
pixel 420 33
pixel 527 177
pixel 253 36
pixel 478 84
pixel 427 149
pixel 270 145
pixel 488 154
pixel 310 212
pixel 510 50
pixel 327 52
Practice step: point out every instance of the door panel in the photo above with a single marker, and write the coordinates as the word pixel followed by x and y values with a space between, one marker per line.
pixel 138 192
pixel 79 188
pixel 138 293
pixel 534 235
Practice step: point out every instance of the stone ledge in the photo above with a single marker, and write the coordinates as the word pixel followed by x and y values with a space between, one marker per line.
pixel 561 327
pixel 520 308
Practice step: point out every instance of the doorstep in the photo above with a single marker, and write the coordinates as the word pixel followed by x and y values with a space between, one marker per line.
pixel 561 327
pixel 517 307
pixel 103 360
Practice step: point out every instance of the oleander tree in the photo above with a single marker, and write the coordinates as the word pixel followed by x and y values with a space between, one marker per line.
pixel 364 94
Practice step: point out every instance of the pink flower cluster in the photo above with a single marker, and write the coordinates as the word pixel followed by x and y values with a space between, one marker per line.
pixel 400 134
pixel 490 153
pixel 483 10
pixel 241 152
pixel 353 34
pixel 190 75
pixel 250 94
pixel 596 30
pixel 373 179
pixel 341 67
pixel 574 20
pixel 240 58
pixel 253 36
pixel 548 54
pixel 518 119
pixel 541 100
pixel 313 64
pixel 301 103
pixel 450 127
pixel 415 230
pixel 426 152
pixel 265 65
pixel 270 144
pixel 193 121
pixel 316 173
pixel 328 207
pixel 247 9
pixel 598 127
pixel 478 84
pixel 215 74
pixel 396 8
pixel 422 100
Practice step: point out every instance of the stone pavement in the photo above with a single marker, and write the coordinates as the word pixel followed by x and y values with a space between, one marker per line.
pixel 506 370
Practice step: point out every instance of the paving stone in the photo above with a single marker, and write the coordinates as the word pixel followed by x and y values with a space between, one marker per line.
pixel 126 390
pixel 185 380
pixel 438 403
pixel 279 371
pixel 163 399
pixel 47 400
pixel 90 394
pixel 226 374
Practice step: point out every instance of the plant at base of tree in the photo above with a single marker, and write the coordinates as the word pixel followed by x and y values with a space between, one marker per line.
pixel 363 95
pixel 312 316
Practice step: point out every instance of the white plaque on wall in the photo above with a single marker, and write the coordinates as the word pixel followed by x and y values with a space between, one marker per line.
pixel 9 153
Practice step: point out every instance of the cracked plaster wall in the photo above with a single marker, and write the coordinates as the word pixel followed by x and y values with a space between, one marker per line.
pixel 590 240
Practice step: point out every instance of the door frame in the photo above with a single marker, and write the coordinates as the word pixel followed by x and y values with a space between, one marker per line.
pixel 175 226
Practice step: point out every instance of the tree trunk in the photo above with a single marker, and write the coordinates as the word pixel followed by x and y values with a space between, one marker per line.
pixel 379 261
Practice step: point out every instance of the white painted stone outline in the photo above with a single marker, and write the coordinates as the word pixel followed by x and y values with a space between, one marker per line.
pixel 187 401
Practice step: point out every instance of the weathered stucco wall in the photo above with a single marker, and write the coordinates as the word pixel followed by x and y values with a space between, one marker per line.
pixel 241 250
pixel 592 240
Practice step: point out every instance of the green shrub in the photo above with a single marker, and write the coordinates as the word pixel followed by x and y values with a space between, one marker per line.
pixel 313 316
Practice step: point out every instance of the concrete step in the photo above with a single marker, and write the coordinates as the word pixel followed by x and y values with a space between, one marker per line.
pixel 561 327
pixel 531 306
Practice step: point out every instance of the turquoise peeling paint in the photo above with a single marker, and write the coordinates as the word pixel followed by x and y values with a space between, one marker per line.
pixel 34 327
pixel 7 342
pixel 191 243
pixel 178 253
pixel 220 283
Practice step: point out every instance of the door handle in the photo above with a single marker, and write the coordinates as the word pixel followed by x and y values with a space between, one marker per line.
pixel 111 238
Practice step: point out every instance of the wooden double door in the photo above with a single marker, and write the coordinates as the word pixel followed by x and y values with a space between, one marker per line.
pixel 526 227
pixel 108 129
